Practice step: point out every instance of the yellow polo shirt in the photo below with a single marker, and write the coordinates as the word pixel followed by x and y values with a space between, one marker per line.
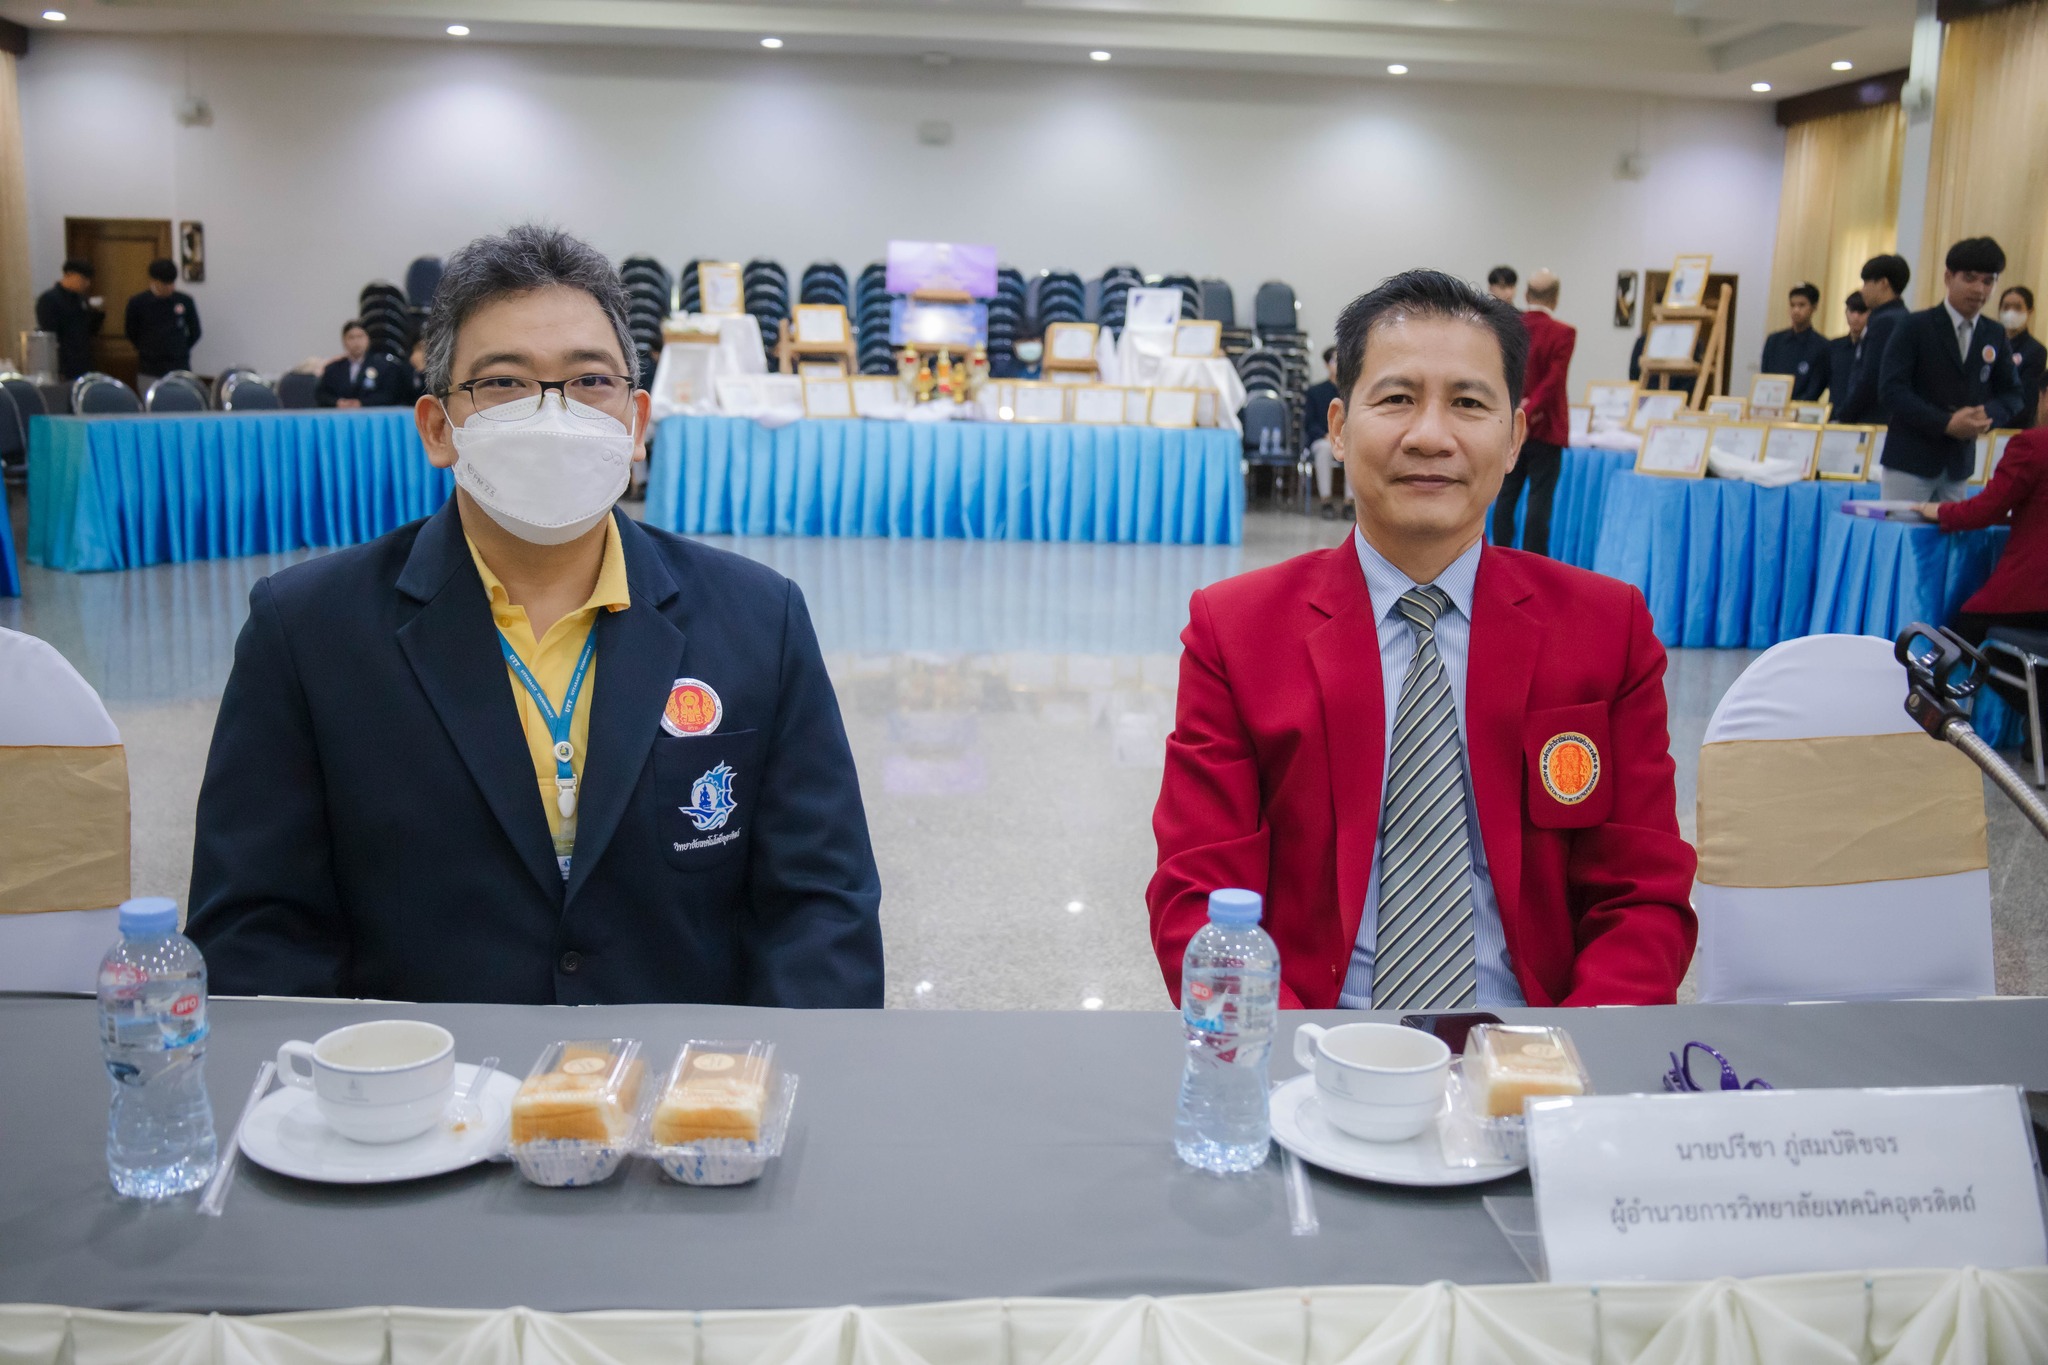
pixel 551 660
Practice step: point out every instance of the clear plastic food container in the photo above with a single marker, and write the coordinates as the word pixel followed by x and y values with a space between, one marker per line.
pixel 722 1114
pixel 577 1115
pixel 1503 1065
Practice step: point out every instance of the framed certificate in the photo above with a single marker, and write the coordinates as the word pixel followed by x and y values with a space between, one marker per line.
pixel 1070 343
pixel 1038 402
pixel 1687 287
pixel 780 390
pixel 1742 441
pixel 1198 340
pixel 1098 405
pixel 1770 395
pixel 1137 402
pixel 1205 408
pixel 1795 442
pixel 876 395
pixel 828 398
pixel 1152 307
pixel 1580 416
pixel 1999 440
pixel 739 395
pixel 1656 405
pixel 831 368
pixel 820 324
pixel 1173 407
pixel 719 288
pixel 1671 341
pixel 1612 402
pixel 1674 450
pixel 1729 408
pixel 1086 376
pixel 1843 453
pixel 1812 414
pixel 1877 435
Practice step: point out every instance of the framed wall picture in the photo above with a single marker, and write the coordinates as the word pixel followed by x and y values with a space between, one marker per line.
pixel 1580 418
pixel 1137 402
pixel 1671 342
pixel 1728 408
pixel 1037 402
pixel 1097 405
pixel 719 288
pixel 1812 414
pixel 876 395
pixel 821 324
pixel 828 398
pixel 1743 441
pixel 1656 405
pixel 1770 395
pixel 192 252
pixel 1674 450
pixel 1625 298
pixel 1612 402
pixel 1843 453
pixel 1198 340
pixel 1796 442
pixel 1687 287
pixel 1173 407
pixel 1070 343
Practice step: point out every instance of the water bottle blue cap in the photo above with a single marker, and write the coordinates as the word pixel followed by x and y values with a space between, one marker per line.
pixel 149 915
pixel 1233 905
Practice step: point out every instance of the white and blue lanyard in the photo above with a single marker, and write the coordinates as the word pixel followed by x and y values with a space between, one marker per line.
pixel 558 724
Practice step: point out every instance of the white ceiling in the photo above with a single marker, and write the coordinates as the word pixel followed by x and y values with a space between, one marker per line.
pixel 1712 48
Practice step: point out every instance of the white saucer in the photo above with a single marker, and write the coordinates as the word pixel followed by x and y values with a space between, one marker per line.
pixel 286 1134
pixel 1299 1126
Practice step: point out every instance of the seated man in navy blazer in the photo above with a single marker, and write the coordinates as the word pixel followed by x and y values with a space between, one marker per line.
pixel 357 379
pixel 527 750
pixel 1946 378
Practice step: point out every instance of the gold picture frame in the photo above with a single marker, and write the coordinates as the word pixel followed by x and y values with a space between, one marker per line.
pixel 1173 408
pixel 1674 450
pixel 1798 441
pixel 1687 286
pixel 1671 344
pixel 721 288
pixel 1655 405
pixel 1613 403
pixel 1770 395
pixel 1095 405
pixel 1990 450
pixel 1199 340
pixel 876 395
pixel 1070 344
pixel 820 326
pixel 1728 407
pixel 1842 454
pixel 1742 441
pixel 1808 413
pixel 828 398
pixel 1037 401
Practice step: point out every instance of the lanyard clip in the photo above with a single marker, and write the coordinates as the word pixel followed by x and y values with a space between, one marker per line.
pixel 565 796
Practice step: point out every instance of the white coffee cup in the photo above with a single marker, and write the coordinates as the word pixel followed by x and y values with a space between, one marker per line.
pixel 382 1081
pixel 1380 1082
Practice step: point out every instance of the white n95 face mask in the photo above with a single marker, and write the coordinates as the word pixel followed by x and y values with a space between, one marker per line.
pixel 547 476
pixel 2013 319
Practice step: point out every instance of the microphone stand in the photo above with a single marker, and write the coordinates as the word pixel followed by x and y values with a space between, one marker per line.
pixel 1935 693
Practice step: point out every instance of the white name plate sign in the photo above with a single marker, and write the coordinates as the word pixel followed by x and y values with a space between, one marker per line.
pixel 1771 1182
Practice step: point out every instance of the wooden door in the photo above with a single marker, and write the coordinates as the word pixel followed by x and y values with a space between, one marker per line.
pixel 120 250
pixel 1653 293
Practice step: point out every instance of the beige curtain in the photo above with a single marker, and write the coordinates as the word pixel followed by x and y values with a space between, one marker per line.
pixel 1838 208
pixel 1988 176
pixel 17 288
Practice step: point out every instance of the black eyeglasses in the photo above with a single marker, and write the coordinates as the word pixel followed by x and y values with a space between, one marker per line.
pixel 507 397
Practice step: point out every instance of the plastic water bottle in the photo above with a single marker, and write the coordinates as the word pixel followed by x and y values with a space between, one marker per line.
pixel 153 1032
pixel 1230 995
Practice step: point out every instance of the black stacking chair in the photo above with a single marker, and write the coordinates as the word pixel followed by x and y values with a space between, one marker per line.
pixel 1269 453
pixel 13 441
pixel 101 395
pixel 687 296
pixel 422 278
pixel 175 393
pixel 247 391
pixel 298 390
pixel 1218 303
pixel 1274 308
pixel 27 396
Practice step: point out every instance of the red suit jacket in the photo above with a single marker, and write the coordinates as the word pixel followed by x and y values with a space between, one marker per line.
pixel 2016 496
pixel 1275 767
pixel 1543 393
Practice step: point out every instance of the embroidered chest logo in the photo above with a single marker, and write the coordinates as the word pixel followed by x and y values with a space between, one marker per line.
pixel 711 799
pixel 692 708
pixel 1570 767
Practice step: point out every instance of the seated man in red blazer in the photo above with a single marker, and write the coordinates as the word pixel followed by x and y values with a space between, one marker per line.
pixel 1443 763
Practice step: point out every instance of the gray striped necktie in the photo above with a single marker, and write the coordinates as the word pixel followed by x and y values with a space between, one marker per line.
pixel 1423 958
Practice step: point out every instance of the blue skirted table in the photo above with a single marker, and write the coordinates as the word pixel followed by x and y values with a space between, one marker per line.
pixel 122 492
pixel 947 480
pixel 10 576
pixel 1578 503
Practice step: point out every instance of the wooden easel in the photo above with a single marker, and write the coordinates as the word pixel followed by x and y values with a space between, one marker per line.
pixel 789 352
pixel 1710 376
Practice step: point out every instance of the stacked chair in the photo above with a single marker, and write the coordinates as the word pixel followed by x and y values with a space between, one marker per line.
pixel 178 391
pixel 99 395
pixel 688 298
pixel 1059 297
pixel 1117 283
pixel 13 440
pixel 1006 316
pixel 422 278
pixel 1190 293
pixel 870 312
pixel 648 293
pixel 1276 316
pixel 1219 304
pixel 825 282
pixel 767 289
pixel 389 319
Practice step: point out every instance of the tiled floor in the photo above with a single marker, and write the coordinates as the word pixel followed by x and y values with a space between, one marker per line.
pixel 1007 705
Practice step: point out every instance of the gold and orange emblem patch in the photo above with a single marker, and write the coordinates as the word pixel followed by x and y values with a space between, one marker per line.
pixel 1570 767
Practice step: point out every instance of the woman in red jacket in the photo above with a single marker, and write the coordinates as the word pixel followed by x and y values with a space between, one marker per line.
pixel 2016 594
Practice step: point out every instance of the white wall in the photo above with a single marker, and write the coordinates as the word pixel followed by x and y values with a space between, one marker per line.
pixel 332 162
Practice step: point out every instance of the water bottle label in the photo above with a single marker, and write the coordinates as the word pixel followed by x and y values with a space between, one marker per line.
pixel 1205 1004
pixel 154 1021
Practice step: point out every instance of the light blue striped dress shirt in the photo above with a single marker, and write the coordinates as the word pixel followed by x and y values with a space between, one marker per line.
pixel 1496 979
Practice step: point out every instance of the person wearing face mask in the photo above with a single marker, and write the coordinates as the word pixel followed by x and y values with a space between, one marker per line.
pixel 527 750
pixel 1027 354
pixel 2029 356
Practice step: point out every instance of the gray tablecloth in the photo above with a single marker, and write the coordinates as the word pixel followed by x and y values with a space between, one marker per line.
pixel 933 1155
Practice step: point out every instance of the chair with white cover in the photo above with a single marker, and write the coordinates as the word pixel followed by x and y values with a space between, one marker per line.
pixel 1842 850
pixel 63 822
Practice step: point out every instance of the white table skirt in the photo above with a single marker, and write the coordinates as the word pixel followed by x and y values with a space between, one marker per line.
pixel 1888 1318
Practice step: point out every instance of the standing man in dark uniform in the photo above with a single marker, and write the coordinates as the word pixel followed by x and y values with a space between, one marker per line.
pixel 359 379
pixel 1845 352
pixel 1884 286
pixel 1947 378
pixel 2029 356
pixel 163 325
pixel 65 310
pixel 1799 350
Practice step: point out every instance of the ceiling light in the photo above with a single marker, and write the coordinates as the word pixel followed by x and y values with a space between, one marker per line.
pixel 1761 87
pixel 1075 907
pixel 458 30
pixel 924 988
pixel 55 16
pixel 1841 66
pixel 1093 1002
pixel 1098 55
pixel 771 43
pixel 1396 69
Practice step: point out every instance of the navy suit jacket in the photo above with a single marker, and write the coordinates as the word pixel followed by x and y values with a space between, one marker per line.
pixel 1925 379
pixel 369 823
pixel 379 384
pixel 1863 404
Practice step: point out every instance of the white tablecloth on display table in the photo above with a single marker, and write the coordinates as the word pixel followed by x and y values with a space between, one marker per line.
pixel 1888 1318
pixel 1145 360
pixel 737 351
